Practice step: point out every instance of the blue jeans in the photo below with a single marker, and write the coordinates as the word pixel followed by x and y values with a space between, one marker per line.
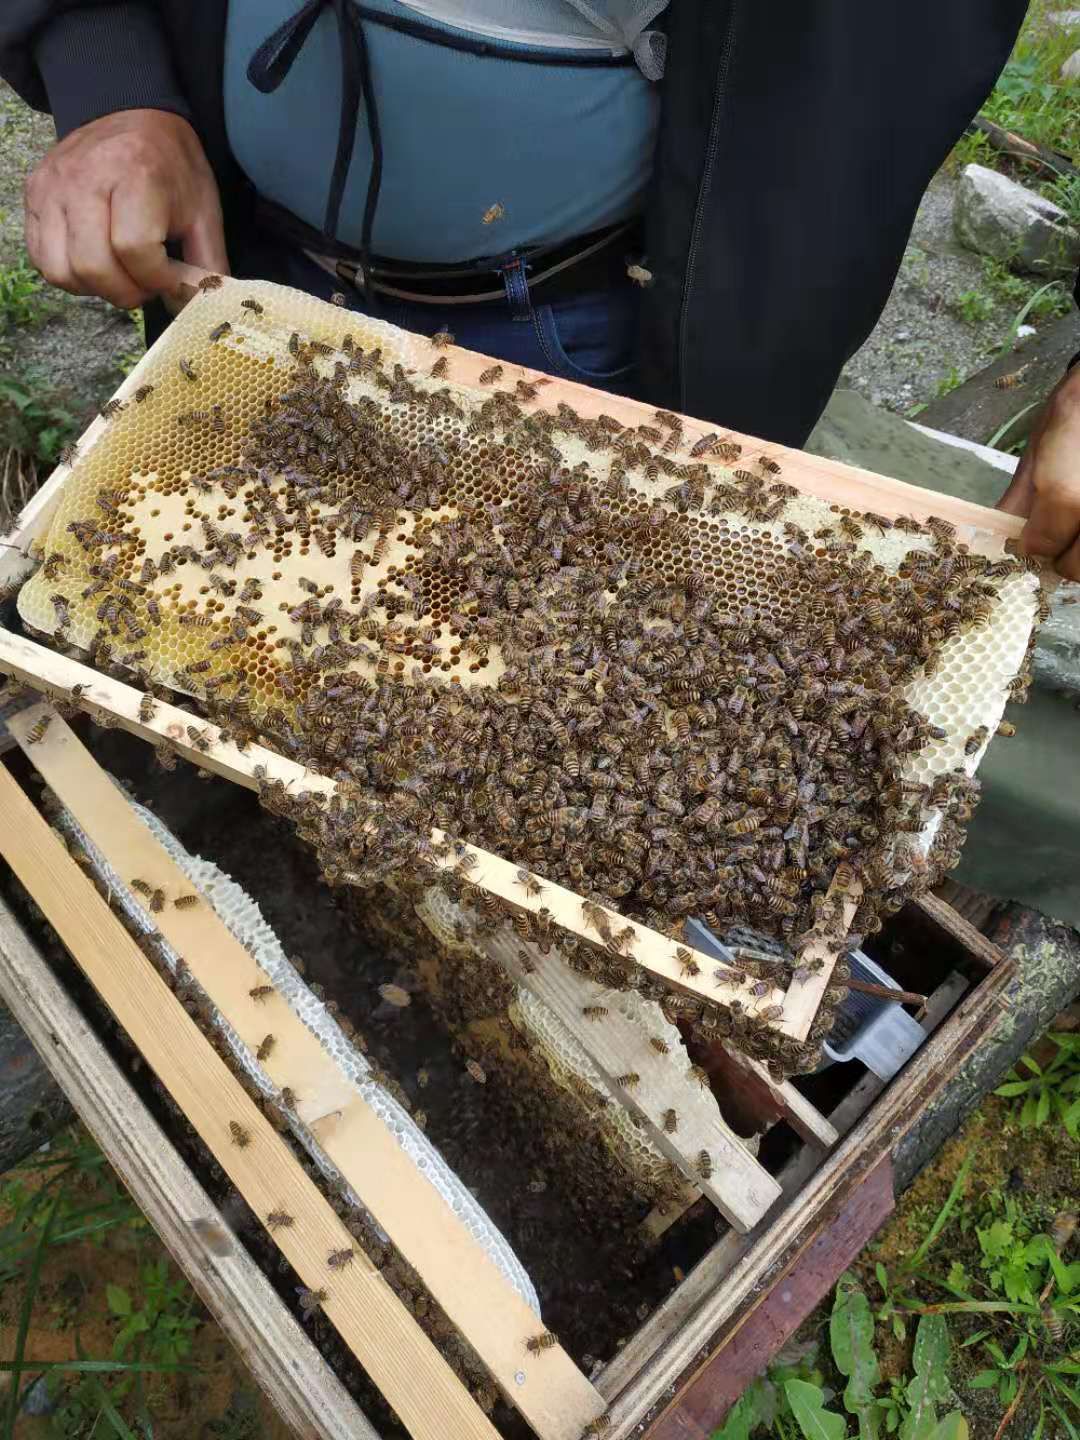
pixel 591 337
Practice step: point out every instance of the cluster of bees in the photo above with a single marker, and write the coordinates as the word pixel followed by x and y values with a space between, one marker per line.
pixel 652 741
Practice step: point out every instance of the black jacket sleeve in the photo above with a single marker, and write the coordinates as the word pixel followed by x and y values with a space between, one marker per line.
pixel 89 59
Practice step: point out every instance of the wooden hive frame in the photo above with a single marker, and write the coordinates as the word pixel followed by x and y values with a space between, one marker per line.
pixel 985 531
pixel 677 1373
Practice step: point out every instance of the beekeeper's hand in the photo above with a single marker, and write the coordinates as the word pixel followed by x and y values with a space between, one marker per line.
pixel 1046 486
pixel 102 203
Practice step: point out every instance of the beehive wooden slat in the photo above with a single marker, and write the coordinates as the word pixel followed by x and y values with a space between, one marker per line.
pixel 549 1390
pixel 281 1356
pixel 417 1382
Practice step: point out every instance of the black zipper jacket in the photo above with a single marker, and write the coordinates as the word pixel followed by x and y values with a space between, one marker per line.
pixel 796 140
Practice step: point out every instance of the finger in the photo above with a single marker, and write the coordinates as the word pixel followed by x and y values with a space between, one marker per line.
pixel 1068 564
pixel 1017 498
pixel 93 261
pixel 139 227
pixel 46 244
pixel 204 239
pixel 1053 524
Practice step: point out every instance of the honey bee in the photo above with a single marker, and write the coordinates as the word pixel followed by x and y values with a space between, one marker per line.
pixel 704 1164
pixel 594 1012
pixel 602 1422
pixel 770 1012
pixel 529 883
pixel 660 1046
pixel 311 1300
pixel 36 732
pixel 492 374
pixel 539 1343
pixel 266 1046
pixel 186 902
pixel 439 370
pixel 975 740
pixel 252 305
pixel 629 1080
pixel 261 992
pixel 288 1097
pixel 493 213
pixel 188 370
pixel 688 966
pixel 442 338
pixel 69 453
pixel 199 738
pixel 279 1220
pixel 209 282
pixel 111 408
pixel 337 1259
pixel 671 1122
pixel 698 1073
pixel 1006 728
pixel 240 1137
pixel 476 1072
pixel 1014 378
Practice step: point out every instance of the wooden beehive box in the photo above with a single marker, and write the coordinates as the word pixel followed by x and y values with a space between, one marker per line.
pixel 550 1390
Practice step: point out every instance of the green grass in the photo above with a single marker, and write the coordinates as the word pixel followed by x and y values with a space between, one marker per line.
pixel 23 297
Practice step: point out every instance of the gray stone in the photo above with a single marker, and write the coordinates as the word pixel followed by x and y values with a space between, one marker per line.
pixel 1070 70
pixel 996 216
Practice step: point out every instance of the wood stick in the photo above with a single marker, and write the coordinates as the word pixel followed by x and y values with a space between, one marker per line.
pixel 427 1396
pixel 306 1392
pixel 883 992
pixel 554 1396
pixel 55 675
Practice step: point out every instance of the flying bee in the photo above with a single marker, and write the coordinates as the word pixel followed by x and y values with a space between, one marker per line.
pixel 539 1343
pixel 252 305
pixel 69 453
pixel 240 1137
pixel 440 369
pixel 492 374
pixel 186 902
pixel 441 339
pixel 339 1258
pixel 703 1165
pixel 266 1046
pixel 594 1012
pixel 279 1219
pixel 476 1071
pixel 36 732
pixel 493 213
pixel 1014 378
pixel 188 370
pixel 261 992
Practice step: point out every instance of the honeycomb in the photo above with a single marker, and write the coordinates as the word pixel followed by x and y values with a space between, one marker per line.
pixel 569 1064
pixel 245 920
pixel 389 573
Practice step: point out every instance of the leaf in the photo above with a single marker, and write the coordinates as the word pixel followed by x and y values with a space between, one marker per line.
pixel 984 1380
pixel 931 1355
pixel 922 1414
pixel 807 1406
pixel 1042 1112
pixel 119 1299
pixel 953 1427
pixel 1013 1087
pixel 851 1335
pixel 741 1418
